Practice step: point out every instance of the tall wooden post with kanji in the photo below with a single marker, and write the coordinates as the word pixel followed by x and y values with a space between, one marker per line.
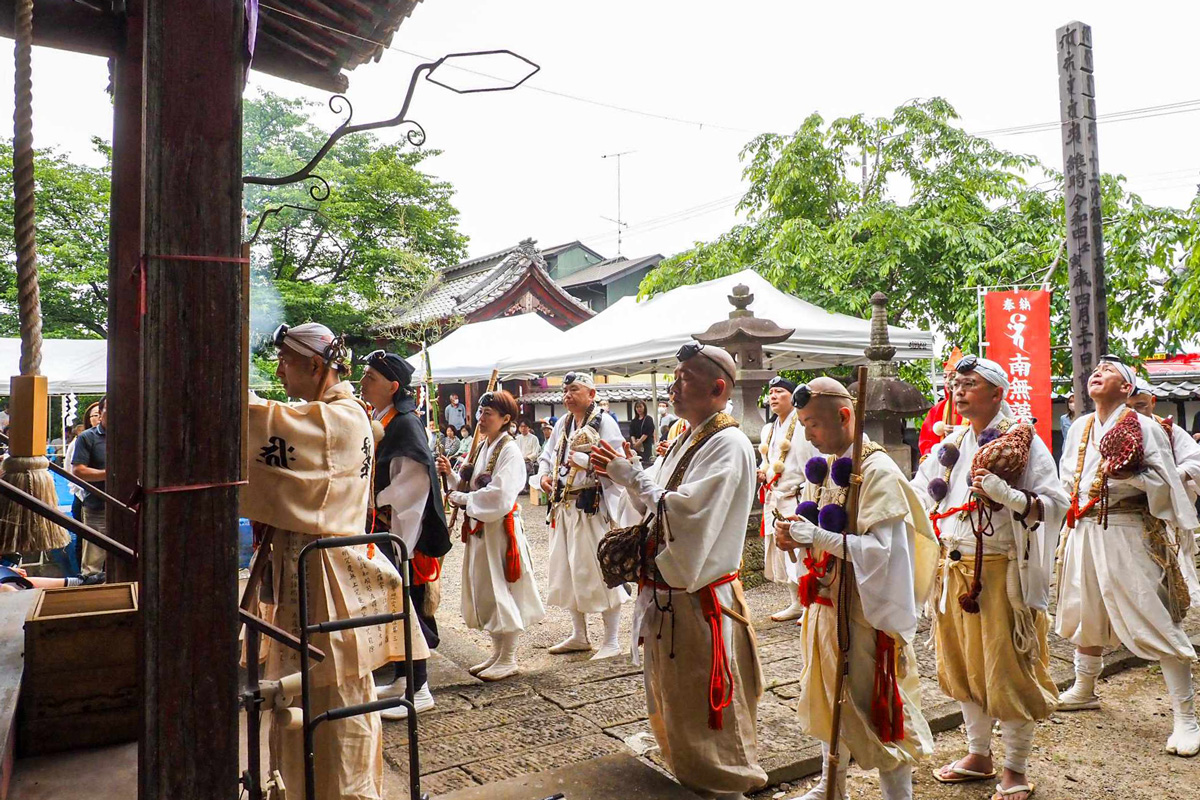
pixel 1081 174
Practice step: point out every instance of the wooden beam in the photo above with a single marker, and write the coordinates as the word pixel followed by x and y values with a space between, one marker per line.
pixel 273 58
pixel 67 25
pixel 124 251
pixel 192 398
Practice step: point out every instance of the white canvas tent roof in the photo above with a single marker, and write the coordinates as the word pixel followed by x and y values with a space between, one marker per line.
pixel 71 366
pixel 632 336
pixel 472 352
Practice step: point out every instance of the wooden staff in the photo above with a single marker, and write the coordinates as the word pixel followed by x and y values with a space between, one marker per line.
pixel 846 587
pixel 491 387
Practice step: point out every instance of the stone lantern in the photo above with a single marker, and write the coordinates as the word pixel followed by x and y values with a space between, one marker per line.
pixel 744 336
pixel 890 401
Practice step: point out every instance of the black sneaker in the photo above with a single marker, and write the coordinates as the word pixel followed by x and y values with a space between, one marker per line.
pixel 92 579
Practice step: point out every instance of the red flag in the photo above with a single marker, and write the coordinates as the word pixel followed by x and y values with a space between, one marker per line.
pixel 1018 336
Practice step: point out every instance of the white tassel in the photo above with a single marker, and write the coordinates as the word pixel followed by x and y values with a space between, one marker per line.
pixel 939 428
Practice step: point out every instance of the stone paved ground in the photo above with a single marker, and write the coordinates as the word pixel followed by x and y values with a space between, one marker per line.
pixel 567 709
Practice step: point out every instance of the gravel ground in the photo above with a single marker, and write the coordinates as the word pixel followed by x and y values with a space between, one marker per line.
pixel 1115 752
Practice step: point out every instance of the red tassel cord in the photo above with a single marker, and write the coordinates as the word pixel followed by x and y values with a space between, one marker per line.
pixel 512 553
pixel 720 681
pixel 767 486
pixel 887 709
pixel 937 517
pixel 810 582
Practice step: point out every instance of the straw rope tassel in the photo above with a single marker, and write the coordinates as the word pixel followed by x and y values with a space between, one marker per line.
pixel 27 468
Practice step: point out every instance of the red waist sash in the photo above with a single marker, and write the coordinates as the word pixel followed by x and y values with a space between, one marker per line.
pixel 720 680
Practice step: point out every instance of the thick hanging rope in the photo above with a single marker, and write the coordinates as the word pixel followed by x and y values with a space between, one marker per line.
pixel 26 467
pixel 28 298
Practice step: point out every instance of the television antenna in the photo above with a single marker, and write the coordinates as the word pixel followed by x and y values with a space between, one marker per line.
pixel 619 222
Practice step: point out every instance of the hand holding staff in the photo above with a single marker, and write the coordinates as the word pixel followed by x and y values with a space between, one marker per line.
pixel 475 440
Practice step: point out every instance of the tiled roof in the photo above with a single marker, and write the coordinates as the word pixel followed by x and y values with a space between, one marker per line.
pixel 608 271
pixel 454 295
pixel 613 392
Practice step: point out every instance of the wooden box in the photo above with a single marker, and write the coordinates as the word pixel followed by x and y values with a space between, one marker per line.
pixel 80 687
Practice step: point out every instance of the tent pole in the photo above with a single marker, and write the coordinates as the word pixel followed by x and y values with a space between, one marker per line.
pixel 654 400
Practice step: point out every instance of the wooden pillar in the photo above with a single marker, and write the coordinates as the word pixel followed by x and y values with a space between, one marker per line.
pixel 124 250
pixel 1081 176
pixel 193 376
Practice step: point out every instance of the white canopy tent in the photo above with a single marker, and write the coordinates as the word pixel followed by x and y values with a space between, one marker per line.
pixel 471 352
pixel 633 337
pixel 71 366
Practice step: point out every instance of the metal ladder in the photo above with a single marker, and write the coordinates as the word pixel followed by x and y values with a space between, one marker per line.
pixel 306 630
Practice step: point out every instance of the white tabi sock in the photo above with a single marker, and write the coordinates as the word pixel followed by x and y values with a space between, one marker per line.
pixel 481 666
pixel 1185 738
pixel 505 664
pixel 1082 693
pixel 818 791
pixel 612 629
pixel 795 610
pixel 1018 742
pixel 979 729
pixel 578 640
pixel 896 784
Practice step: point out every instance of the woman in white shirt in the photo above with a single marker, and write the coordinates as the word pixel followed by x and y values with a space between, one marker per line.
pixel 499 594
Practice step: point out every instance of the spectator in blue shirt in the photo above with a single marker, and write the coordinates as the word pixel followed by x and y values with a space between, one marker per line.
pixel 456 413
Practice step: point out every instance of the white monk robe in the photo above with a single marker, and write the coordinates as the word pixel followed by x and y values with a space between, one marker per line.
pixel 575 582
pixel 310 477
pixel 1187 460
pixel 894 560
pixel 707 516
pixel 782 491
pixel 1110 590
pixel 978 658
pixel 489 602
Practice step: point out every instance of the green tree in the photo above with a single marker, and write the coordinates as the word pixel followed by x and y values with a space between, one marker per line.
pixel 384 230
pixel 913 206
pixel 72 244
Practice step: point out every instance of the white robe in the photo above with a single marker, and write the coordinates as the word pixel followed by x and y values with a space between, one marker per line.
pixel 575 582
pixel 489 601
pixel 707 517
pixel 1035 549
pixel 785 494
pixel 1110 590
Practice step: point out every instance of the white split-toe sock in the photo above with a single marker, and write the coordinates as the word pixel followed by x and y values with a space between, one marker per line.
pixel 795 610
pixel 1185 738
pixel 481 666
pixel 577 642
pixel 505 665
pixel 896 784
pixel 612 640
pixel 1082 694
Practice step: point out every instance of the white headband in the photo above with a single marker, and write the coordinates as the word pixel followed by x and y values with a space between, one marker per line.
pixel 991 372
pixel 582 378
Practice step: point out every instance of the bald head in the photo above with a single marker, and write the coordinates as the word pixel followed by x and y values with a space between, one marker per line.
pixel 828 416
pixel 701 389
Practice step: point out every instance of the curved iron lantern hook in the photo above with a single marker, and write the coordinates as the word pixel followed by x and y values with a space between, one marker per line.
pixel 415 136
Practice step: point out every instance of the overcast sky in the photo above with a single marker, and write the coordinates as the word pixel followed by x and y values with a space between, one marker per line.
pixel 528 162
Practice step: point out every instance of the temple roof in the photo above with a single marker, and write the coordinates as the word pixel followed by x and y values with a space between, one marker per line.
pixel 608 271
pixel 471 286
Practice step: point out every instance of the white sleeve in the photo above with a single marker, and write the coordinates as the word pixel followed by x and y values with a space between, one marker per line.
pixel 926 472
pixel 1187 458
pixel 494 501
pixel 883 571
pixel 406 495
pixel 1036 549
pixel 1164 491
pixel 791 481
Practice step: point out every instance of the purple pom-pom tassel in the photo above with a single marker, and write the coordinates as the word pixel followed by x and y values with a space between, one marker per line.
pixel 808 510
pixel 841 470
pixel 938 489
pixel 483 480
pixel 833 518
pixel 948 455
pixel 988 435
pixel 816 469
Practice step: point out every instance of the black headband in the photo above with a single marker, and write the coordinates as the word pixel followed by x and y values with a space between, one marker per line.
pixel 780 382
